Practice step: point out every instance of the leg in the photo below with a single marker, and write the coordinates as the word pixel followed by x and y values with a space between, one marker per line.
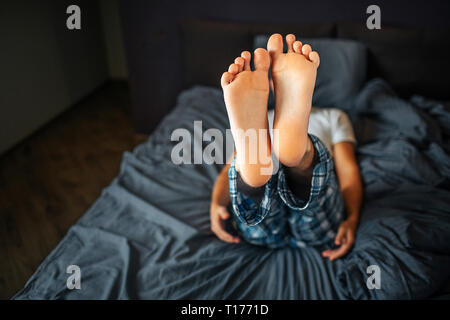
pixel 255 204
pixel 258 212
pixel 307 184
pixel 299 178
pixel 246 93
pixel 314 220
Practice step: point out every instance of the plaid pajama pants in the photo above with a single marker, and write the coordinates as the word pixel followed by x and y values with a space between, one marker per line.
pixel 282 219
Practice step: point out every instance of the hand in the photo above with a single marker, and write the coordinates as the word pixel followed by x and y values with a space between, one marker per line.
pixel 345 239
pixel 218 214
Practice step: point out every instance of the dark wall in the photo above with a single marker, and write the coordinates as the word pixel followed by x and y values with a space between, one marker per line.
pixel 44 67
pixel 153 45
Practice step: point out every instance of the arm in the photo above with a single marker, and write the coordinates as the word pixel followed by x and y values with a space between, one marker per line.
pixel 218 210
pixel 220 194
pixel 349 179
pixel 350 184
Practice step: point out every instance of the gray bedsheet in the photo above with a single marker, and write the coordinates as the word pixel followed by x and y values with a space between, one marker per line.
pixel 147 236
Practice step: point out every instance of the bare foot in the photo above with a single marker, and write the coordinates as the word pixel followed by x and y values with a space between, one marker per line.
pixel 246 93
pixel 294 77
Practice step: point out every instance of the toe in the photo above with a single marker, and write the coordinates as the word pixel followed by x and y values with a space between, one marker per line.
pixel 297 47
pixel 275 44
pixel 262 59
pixel 233 69
pixel 290 39
pixel 306 49
pixel 246 56
pixel 240 62
pixel 314 57
pixel 226 79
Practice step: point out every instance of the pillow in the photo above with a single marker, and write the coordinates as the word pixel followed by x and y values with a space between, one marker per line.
pixel 210 46
pixel 341 73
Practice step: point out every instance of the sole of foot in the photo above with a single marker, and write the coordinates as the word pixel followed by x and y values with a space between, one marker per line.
pixel 294 77
pixel 246 93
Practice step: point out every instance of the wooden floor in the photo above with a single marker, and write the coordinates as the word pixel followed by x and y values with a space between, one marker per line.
pixel 48 181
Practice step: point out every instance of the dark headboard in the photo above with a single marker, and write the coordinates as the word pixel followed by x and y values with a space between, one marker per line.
pixel 172 45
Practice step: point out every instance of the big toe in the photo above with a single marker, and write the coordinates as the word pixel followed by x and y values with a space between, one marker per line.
pixel 262 59
pixel 275 44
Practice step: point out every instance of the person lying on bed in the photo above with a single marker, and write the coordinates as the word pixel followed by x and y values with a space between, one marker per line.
pixel 302 203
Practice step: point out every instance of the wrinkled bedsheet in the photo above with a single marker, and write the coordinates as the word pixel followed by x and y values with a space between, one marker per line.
pixel 148 234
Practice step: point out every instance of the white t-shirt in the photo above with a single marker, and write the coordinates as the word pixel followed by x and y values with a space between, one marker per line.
pixel 330 125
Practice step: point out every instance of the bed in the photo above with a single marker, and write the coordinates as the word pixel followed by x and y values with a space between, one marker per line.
pixel 148 235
